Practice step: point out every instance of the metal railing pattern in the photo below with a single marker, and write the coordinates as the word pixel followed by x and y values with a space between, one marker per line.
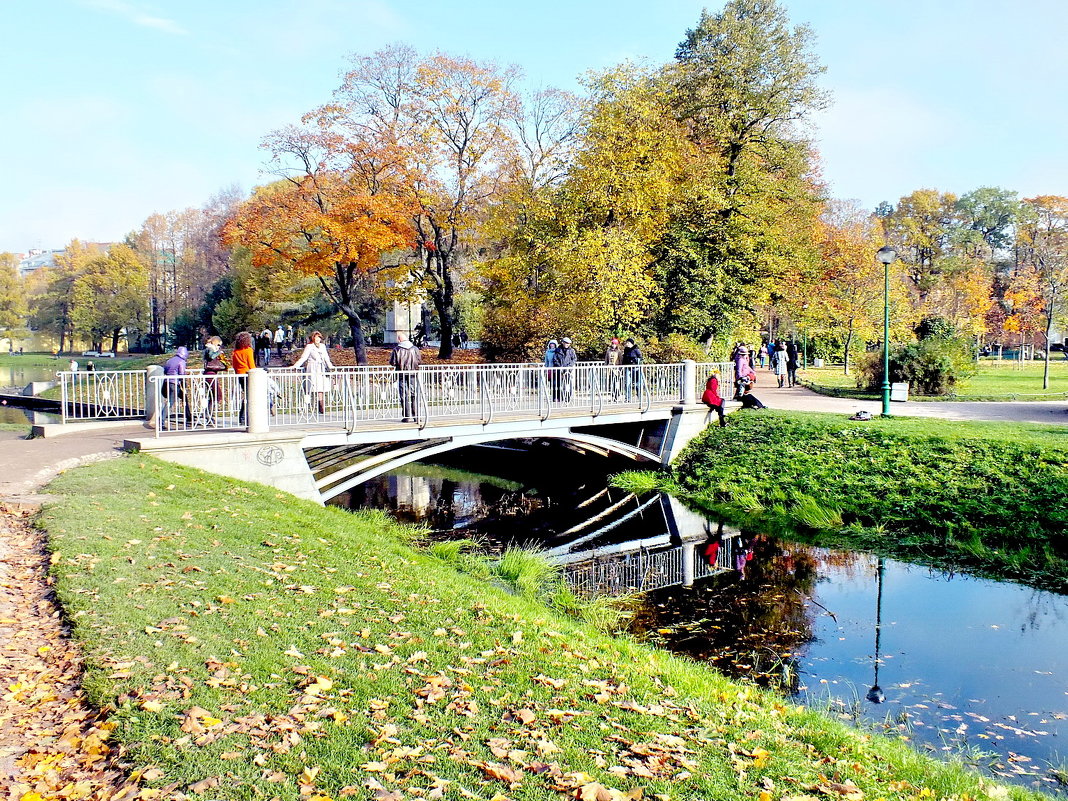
pixel 348 396
pixel 102 394
pixel 644 570
pixel 200 402
pixel 726 378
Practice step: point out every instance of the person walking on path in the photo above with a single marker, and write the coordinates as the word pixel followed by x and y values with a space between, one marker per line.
pixel 564 359
pixel 315 360
pixel 405 359
pixel 631 361
pixel 763 354
pixel 711 398
pixel 263 348
pixel 791 362
pixel 243 359
pixel 279 339
pixel 174 390
pixel 779 361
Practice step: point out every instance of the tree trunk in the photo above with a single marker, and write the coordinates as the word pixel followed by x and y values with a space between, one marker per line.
pixel 115 341
pixel 444 305
pixel 1045 364
pixel 359 344
pixel 848 342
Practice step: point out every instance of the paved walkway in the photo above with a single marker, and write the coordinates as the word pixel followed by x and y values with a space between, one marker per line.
pixel 801 399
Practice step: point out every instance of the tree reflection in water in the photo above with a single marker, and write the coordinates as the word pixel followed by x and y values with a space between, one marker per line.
pixel 749 624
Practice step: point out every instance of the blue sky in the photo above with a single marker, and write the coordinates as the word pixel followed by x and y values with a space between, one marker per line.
pixel 115 109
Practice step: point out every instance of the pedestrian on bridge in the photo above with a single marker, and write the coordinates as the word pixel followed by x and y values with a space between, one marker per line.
pixel 316 363
pixel 550 351
pixel 405 359
pixel 565 360
pixel 711 398
pixel 631 361
pixel 613 357
pixel 243 359
pixel 174 391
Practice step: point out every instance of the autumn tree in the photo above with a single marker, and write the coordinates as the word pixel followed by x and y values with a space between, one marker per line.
pixel 445 122
pixel 12 296
pixel 851 286
pixel 1043 254
pixel 108 295
pixel 921 227
pixel 336 209
pixel 52 301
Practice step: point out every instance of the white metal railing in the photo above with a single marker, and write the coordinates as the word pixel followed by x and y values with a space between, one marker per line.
pixel 348 396
pixel 102 394
pixel 726 378
pixel 200 402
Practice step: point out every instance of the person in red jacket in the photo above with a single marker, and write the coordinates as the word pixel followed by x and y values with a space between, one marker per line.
pixel 711 397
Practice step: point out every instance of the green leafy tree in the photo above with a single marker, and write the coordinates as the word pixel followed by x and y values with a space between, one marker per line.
pixel 109 295
pixel 12 296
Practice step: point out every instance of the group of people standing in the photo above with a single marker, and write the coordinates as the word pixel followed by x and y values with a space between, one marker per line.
pixel 280 340
pixel 561 354
pixel 780 355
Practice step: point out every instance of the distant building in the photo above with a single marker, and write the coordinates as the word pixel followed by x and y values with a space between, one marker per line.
pixel 36 259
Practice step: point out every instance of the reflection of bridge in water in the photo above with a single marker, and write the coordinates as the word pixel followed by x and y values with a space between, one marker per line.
pixel 606 541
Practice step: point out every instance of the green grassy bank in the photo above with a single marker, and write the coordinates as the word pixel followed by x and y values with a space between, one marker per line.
pixel 993 381
pixel 256 646
pixel 992 497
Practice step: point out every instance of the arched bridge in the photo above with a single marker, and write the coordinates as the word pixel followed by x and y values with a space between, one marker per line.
pixel 316 436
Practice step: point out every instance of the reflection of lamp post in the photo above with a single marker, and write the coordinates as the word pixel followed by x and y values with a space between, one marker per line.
pixel 876 694
pixel 886 256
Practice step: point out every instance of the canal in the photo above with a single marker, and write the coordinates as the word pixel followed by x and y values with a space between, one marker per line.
pixel 959 666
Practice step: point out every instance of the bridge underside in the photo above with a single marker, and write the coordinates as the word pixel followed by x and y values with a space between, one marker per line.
pixel 338 468
pixel 322 463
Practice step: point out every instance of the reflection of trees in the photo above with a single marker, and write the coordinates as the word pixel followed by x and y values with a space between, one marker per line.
pixel 749 627
pixel 1039 607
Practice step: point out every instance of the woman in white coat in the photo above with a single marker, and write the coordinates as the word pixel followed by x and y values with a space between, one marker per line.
pixel 316 362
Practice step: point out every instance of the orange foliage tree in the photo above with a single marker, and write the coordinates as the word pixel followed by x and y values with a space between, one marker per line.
pixel 1042 248
pixel 448 122
pixel 335 211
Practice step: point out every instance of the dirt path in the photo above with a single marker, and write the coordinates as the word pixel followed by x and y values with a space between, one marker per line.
pixel 52 744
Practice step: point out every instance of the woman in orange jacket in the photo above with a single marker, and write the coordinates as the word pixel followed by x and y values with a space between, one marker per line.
pixel 243 359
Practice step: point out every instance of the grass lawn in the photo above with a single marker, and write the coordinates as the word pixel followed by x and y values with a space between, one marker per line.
pixel 994 380
pixel 256 646
pixel 992 497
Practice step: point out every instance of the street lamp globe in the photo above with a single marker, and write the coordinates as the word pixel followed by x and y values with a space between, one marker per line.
pixel 886 255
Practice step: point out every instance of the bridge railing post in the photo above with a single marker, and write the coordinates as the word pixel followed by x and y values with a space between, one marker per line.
pixel 152 393
pixel 258 405
pixel 689 382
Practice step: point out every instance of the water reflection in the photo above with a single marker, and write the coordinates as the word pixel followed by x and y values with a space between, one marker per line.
pixel 950 662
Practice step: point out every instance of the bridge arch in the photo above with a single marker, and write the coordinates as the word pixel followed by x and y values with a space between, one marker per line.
pixel 334 482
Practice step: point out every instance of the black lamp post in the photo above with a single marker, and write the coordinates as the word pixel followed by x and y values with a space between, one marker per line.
pixel 886 256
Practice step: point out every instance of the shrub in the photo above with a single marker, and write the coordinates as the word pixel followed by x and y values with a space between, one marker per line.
pixel 932 366
pixel 673 348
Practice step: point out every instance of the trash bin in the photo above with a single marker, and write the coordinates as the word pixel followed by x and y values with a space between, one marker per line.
pixel 817 362
pixel 899 392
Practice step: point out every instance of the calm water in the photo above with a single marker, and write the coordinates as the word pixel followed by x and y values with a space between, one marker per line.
pixel 959 664
pixel 13 375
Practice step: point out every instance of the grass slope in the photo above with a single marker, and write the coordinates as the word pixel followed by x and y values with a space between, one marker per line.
pixel 992 381
pixel 986 495
pixel 256 646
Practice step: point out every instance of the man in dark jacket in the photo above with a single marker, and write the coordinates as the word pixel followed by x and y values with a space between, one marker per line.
pixel 406 359
pixel 565 359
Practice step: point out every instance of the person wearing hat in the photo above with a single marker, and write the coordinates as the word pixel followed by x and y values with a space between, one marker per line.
pixel 564 357
pixel 174 390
